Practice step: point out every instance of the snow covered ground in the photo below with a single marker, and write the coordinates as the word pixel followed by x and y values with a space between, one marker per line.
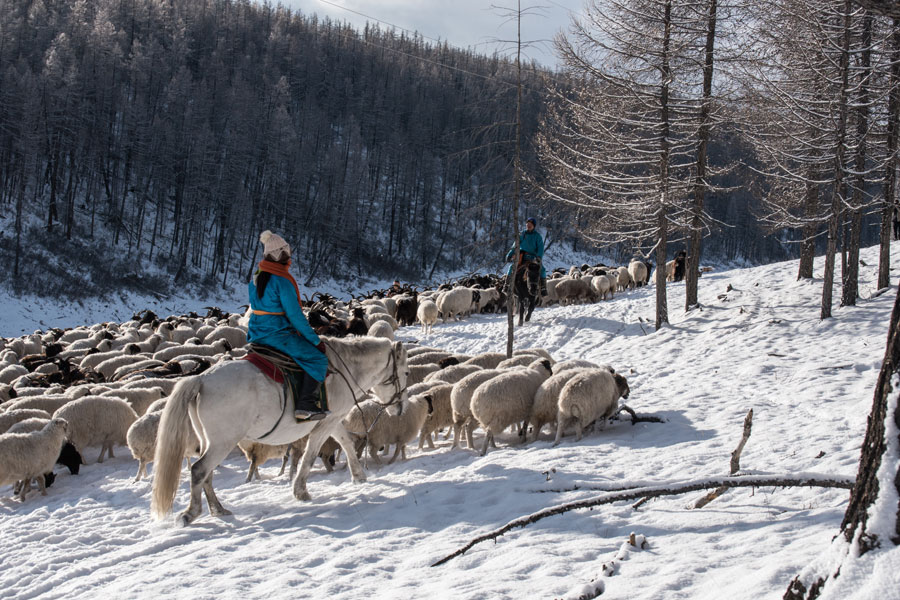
pixel 759 346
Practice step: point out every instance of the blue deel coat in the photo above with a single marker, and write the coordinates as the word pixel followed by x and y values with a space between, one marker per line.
pixel 533 245
pixel 290 332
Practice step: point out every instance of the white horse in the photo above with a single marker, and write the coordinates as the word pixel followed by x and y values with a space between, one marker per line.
pixel 234 401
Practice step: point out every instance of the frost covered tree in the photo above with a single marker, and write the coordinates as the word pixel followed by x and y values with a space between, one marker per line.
pixel 622 147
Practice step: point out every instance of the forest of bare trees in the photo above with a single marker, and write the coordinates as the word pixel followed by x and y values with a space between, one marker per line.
pixel 170 133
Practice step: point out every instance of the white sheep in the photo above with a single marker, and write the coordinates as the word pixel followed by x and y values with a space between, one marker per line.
pixel 382 329
pixel 455 303
pixel 638 272
pixel 538 352
pixel 386 429
pixel 258 453
pixel 415 350
pixel 124 371
pixel 507 399
pixel 27 456
pixel 141 440
pixel 486 297
pixel 391 305
pixel 236 336
pixel 461 403
pixel 487 360
pixel 425 358
pixel 453 373
pixel 522 360
pixel 203 350
pixel 600 284
pixel 546 399
pixel 11 417
pixel 377 317
pixel 97 420
pixel 427 314
pixel 571 291
pixel 624 279
pixel 167 385
pixel 12 372
pixel 418 373
pixel 139 399
pixel 28 425
pixel 440 416
pixel 49 404
pixel 592 395
pixel 109 366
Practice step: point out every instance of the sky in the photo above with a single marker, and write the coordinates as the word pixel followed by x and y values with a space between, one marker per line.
pixel 462 23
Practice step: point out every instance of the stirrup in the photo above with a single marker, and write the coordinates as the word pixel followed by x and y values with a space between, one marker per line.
pixel 310 415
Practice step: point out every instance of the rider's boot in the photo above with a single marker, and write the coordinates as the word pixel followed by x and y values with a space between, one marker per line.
pixel 543 286
pixel 306 403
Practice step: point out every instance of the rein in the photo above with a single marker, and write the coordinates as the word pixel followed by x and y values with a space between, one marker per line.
pixel 394 379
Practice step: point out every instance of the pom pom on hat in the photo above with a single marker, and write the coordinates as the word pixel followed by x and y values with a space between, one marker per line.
pixel 273 244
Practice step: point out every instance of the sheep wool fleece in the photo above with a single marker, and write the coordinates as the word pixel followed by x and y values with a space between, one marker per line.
pixel 287 330
pixel 531 243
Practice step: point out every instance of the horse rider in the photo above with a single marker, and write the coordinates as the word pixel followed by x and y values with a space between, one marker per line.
pixel 531 248
pixel 277 321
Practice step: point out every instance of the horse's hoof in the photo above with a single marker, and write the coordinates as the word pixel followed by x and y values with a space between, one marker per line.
pixel 303 496
pixel 360 479
pixel 220 512
pixel 183 520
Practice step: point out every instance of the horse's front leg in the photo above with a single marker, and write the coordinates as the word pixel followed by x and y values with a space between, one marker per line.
pixel 316 438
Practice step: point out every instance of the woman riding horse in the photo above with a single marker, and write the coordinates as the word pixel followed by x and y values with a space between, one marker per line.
pixel 277 321
pixel 531 248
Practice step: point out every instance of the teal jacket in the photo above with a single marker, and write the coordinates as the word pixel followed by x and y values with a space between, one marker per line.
pixel 289 332
pixel 533 245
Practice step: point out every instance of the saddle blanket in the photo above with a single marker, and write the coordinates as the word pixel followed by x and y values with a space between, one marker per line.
pixel 268 369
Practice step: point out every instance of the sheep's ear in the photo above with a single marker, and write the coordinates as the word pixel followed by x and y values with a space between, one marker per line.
pixel 547 366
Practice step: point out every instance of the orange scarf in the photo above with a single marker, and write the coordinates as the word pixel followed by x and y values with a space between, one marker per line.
pixel 281 270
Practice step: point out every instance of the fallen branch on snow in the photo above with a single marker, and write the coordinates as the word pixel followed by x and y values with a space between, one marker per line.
pixel 672 489
pixel 735 461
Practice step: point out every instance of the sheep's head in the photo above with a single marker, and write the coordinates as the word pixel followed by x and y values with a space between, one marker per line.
pixel 70 458
pixel 622 384
pixel 448 362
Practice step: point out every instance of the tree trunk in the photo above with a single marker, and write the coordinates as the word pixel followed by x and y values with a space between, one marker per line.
pixel 510 288
pixel 692 267
pixel 890 175
pixel 808 247
pixel 662 309
pixel 834 222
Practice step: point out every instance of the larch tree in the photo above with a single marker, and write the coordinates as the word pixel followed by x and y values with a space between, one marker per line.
pixel 622 147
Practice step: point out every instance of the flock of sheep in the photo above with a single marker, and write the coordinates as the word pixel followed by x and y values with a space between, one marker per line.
pixel 106 385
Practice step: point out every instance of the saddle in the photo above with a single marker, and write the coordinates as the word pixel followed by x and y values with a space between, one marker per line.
pixel 281 368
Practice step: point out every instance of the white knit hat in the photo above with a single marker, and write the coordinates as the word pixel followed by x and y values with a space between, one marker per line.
pixel 274 244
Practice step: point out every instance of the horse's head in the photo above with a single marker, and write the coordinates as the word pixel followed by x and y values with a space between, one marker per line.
pixel 392 388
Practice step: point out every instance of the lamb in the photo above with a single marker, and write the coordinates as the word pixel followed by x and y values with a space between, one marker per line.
pixel 508 398
pixel 453 373
pixel 98 420
pixel 638 272
pixel 139 399
pixel 461 403
pixel 11 417
pixel 417 373
pixel 455 303
pixel 427 314
pixel 141 440
pixel 236 337
pixel 27 456
pixel 589 396
pixel 382 329
pixel 440 415
pixel 388 429
pixel 217 347
pixel 624 279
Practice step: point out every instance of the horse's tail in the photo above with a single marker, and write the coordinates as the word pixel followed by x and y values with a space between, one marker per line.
pixel 171 440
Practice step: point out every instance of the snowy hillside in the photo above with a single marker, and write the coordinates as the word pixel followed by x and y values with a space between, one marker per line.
pixel 759 346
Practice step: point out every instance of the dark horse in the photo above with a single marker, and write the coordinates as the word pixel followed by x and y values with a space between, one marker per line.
pixel 527 280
